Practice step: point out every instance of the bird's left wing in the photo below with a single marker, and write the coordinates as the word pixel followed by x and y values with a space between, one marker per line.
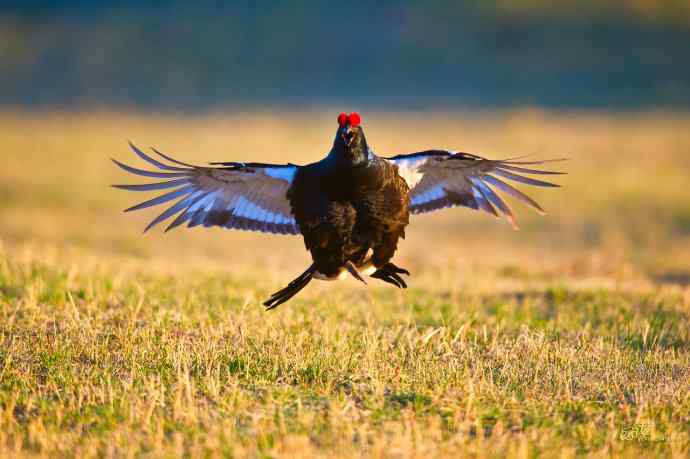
pixel 247 196
pixel 439 179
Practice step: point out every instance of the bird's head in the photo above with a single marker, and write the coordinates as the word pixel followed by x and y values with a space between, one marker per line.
pixel 350 145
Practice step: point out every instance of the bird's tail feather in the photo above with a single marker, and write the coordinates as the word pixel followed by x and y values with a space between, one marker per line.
pixel 281 296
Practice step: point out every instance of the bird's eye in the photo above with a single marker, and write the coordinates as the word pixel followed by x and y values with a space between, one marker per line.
pixel 342 119
pixel 354 119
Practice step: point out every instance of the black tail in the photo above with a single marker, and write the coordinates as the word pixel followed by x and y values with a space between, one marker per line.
pixel 281 296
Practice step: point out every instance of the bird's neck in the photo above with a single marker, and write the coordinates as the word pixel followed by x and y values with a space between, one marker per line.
pixel 342 159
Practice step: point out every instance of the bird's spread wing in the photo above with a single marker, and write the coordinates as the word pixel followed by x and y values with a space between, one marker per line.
pixel 439 179
pixel 248 196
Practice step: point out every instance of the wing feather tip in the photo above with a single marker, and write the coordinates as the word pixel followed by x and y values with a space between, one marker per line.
pixel 171 159
pixel 133 147
pixel 149 226
pixel 119 164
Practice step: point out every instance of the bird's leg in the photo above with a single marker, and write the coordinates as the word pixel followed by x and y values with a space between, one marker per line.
pixel 352 269
pixel 391 274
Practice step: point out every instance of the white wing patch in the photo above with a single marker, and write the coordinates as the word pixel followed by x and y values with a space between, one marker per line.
pixel 439 179
pixel 247 196
pixel 409 169
pixel 432 194
pixel 247 209
pixel 241 212
pixel 286 174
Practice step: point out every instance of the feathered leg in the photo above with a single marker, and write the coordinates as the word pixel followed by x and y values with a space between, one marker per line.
pixel 281 296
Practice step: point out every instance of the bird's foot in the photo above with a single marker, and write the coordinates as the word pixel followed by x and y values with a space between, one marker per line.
pixel 391 274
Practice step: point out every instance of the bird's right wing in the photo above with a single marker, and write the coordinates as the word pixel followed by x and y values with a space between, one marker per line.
pixel 439 179
pixel 247 196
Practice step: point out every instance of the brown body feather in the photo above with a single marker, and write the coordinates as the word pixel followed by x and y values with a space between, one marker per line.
pixel 344 213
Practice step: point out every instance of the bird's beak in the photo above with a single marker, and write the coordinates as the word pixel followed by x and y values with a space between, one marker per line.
pixel 347 135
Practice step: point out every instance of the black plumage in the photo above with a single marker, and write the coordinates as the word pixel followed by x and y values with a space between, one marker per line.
pixel 351 207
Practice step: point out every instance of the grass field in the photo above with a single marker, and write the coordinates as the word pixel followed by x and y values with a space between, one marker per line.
pixel 569 337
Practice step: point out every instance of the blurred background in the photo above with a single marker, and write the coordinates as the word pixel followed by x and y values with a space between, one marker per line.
pixel 605 83
pixel 610 54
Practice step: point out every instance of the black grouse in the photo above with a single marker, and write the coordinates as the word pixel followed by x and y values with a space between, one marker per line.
pixel 351 207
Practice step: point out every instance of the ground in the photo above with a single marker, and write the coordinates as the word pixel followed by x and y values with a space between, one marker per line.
pixel 569 337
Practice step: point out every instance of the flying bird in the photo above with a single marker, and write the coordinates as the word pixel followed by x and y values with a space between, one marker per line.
pixel 351 207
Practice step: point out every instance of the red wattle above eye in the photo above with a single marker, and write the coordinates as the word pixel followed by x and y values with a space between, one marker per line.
pixel 342 119
pixel 354 119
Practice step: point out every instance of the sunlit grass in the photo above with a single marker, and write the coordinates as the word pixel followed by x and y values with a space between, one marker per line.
pixel 568 337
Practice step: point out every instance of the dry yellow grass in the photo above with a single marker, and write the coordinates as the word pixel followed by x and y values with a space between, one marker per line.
pixel 569 337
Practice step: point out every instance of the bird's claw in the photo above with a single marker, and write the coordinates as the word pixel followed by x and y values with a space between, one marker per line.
pixel 391 274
